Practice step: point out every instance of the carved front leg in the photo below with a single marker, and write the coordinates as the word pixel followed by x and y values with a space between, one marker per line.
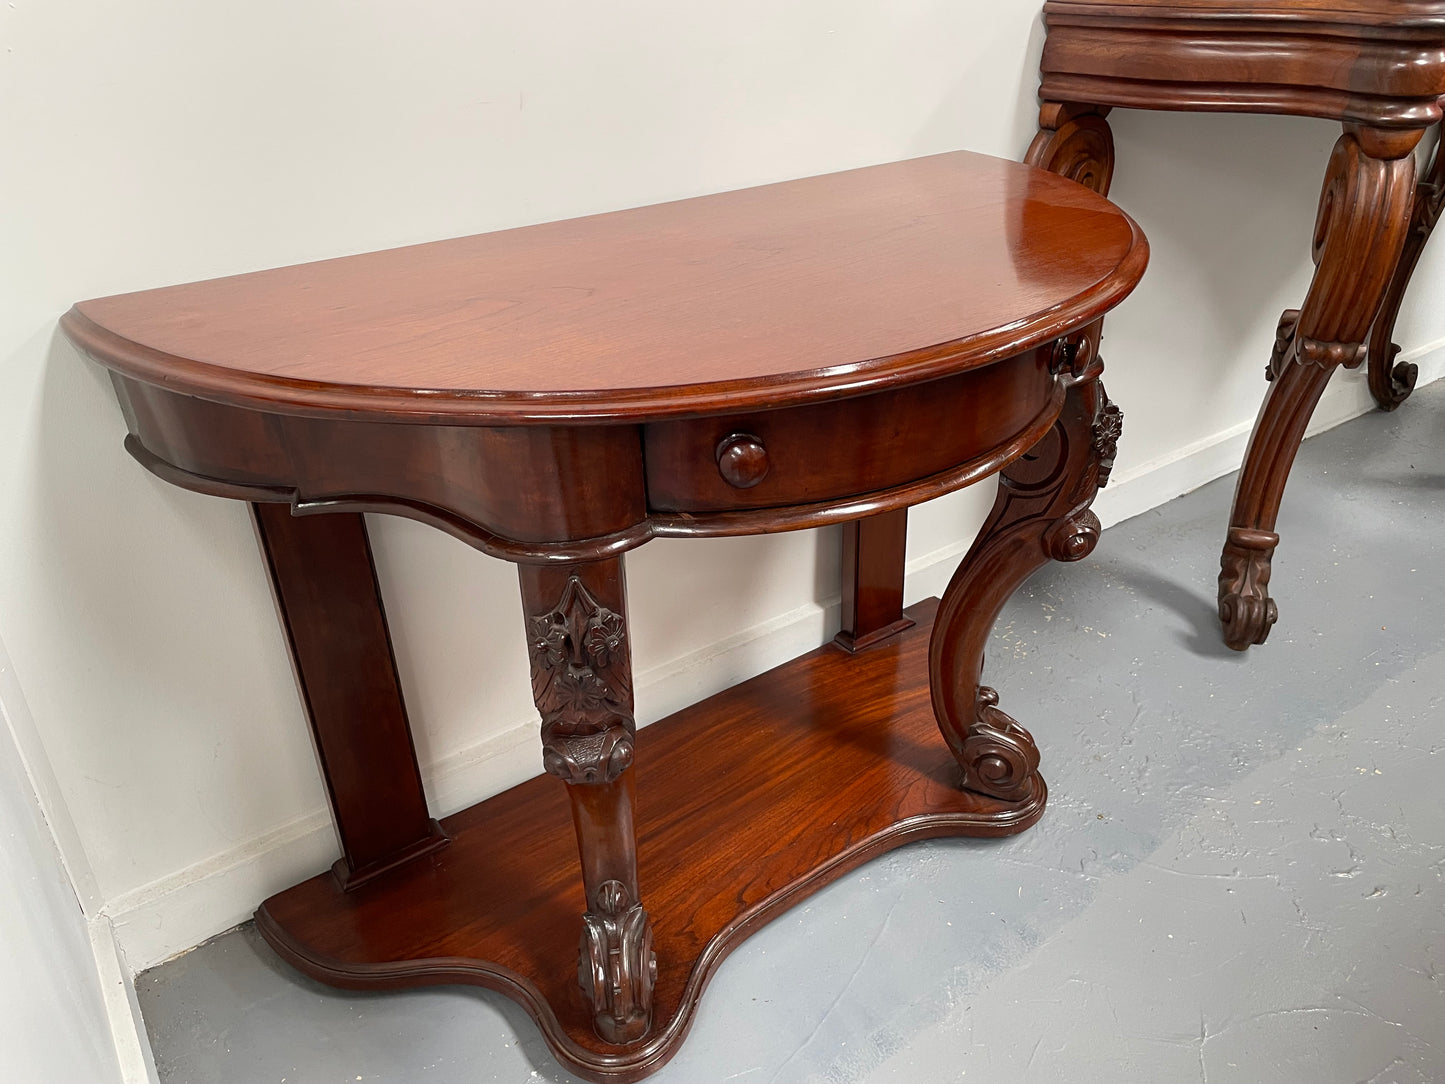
pixel 999 756
pixel 1041 514
pixel 1363 219
pixel 1390 382
pixel 582 684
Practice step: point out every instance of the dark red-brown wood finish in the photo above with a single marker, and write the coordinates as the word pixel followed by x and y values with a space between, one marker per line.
pixel 746 803
pixel 830 350
pixel 330 608
pixel 1378 66
pixel 725 303
pixel 873 558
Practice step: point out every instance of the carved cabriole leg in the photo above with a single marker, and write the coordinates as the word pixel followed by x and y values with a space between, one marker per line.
pixel 1042 508
pixel 1363 219
pixel 1391 383
pixel 1041 514
pixel 582 682
pixel 1075 141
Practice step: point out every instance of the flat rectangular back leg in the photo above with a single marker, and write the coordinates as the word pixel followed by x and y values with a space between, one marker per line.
pixel 873 551
pixel 330 606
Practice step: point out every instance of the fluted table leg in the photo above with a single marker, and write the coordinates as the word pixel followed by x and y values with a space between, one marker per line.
pixel 1364 217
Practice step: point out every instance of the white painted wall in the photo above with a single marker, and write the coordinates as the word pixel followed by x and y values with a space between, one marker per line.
pixel 54 1027
pixel 160 141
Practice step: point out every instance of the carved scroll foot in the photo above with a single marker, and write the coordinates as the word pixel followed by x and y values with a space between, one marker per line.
pixel 582 684
pixel 999 757
pixel 1391 382
pixel 1396 380
pixel 1246 611
pixel 616 966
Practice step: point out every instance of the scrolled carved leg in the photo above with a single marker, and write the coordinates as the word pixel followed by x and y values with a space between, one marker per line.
pixel 1392 382
pixel 998 755
pixel 1245 609
pixel 1041 514
pixel 582 684
pixel 1363 219
pixel 1075 141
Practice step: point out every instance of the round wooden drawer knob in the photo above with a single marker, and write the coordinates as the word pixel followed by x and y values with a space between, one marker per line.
pixel 742 460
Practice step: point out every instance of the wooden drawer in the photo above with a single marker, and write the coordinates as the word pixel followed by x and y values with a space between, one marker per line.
pixel 839 449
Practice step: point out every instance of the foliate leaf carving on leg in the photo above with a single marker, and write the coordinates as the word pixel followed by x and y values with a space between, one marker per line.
pixel 582 687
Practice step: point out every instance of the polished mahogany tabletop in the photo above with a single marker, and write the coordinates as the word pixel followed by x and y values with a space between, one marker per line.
pixel 825 286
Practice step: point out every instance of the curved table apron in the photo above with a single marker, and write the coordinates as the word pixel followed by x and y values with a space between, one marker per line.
pixel 823 351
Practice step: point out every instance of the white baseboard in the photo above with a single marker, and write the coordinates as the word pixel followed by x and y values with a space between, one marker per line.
pixel 122 1007
pixel 1184 470
pixel 175 913
pixel 181 910
pixel 116 980
pixel 178 912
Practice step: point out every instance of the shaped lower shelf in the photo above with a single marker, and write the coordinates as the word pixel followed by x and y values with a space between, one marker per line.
pixel 746 803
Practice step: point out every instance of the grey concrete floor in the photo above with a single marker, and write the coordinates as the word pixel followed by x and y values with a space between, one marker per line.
pixel 1240 878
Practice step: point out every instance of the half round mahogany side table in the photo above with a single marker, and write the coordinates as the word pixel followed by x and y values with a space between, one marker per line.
pixel 823 351
pixel 1377 66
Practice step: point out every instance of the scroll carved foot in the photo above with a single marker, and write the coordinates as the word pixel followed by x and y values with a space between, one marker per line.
pixel 999 756
pixel 1393 385
pixel 1246 611
pixel 616 967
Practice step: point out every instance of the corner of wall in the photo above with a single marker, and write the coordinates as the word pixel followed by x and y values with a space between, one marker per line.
pixel 115 981
pixel 122 1006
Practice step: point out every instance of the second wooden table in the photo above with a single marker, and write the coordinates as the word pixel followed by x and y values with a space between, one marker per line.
pixel 1378 67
